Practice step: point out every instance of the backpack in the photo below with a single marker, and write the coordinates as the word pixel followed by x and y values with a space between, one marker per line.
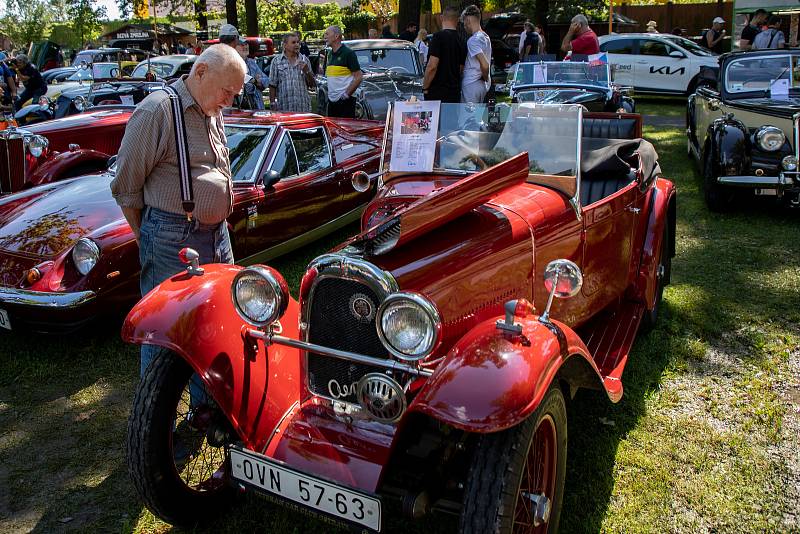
pixel 765 38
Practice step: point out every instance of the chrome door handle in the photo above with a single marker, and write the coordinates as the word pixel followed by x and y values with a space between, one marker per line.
pixel 635 211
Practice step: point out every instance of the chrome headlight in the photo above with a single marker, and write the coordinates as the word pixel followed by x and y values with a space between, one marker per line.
pixel 770 138
pixel 85 254
pixel 408 326
pixel 260 295
pixel 44 102
pixel 789 163
pixel 79 103
pixel 36 145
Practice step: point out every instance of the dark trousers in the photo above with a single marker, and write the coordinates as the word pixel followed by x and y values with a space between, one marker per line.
pixel 345 108
pixel 446 96
pixel 33 94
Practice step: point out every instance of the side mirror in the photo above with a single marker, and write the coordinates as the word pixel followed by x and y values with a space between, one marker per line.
pixel 360 181
pixel 271 178
pixel 563 279
pixel 677 54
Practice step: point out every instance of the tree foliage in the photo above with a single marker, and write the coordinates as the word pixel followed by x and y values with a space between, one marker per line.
pixel 26 21
pixel 84 20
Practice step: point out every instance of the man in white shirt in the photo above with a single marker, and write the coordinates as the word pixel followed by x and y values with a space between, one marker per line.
pixel 475 80
pixel 521 47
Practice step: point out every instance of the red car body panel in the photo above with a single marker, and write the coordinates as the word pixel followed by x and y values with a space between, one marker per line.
pixel 40 225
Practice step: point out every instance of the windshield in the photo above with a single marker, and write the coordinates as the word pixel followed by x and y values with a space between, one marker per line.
pixel 759 74
pixel 246 145
pixel 691 46
pixel 162 70
pixel 474 137
pixel 562 73
pixel 381 59
pixel 81 75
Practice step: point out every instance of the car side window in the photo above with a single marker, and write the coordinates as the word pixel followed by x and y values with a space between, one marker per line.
pixel 653 48
pixel 618 46
pixel 285 160
pixel 184 69
pixel 311 147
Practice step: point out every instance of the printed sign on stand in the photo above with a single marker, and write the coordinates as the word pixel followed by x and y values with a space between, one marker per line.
pixel 414 128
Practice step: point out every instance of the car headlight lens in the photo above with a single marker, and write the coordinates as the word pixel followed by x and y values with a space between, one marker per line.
pixel 770 138
pixel 789 163
pixel 79 103
pixel 260 295
pixel 408 325
pixel 36 145
pixel 44 101
pixel 85 254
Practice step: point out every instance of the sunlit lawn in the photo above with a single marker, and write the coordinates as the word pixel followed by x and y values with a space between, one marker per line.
pixel 699 443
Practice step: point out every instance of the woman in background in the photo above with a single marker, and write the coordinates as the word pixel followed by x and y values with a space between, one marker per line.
pixel 420 43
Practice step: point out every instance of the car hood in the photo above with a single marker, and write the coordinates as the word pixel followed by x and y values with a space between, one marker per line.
pixel 45 221
pixel 768 106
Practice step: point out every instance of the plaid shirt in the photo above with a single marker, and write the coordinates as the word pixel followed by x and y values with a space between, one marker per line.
pixel 290 83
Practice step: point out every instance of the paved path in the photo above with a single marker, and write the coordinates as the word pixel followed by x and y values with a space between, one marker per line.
pixel 659 120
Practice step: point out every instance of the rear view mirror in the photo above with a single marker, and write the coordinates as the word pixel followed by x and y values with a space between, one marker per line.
pixel 271 177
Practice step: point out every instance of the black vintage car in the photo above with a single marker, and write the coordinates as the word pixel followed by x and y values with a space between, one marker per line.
pixel 742 127
pixel 392 71
pixel 569 82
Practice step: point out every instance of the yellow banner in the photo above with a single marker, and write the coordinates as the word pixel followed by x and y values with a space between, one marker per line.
pixel 436 6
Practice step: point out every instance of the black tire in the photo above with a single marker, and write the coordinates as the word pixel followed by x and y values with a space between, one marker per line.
pixel 150 452
pixel 493 489
pixel 718 197
pixel 663 275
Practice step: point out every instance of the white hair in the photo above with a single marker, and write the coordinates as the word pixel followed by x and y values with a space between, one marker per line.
pixel 582 20
pixel 220 58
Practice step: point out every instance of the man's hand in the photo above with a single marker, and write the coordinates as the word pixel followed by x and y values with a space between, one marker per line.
pixel 573 28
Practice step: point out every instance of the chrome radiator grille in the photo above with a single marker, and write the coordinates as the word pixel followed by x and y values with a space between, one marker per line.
pixel 12 162
pixel 342 316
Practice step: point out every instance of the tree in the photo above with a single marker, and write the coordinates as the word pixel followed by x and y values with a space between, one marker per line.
pixel 25 21
pixel 85 19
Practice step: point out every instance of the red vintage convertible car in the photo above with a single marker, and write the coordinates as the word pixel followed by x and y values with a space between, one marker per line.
pixel 426 358
pixel 61 148
pixel 68 255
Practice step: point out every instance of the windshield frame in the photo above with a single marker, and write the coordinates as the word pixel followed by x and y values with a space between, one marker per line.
pixel 573 197
pixel 794 62
pixel 515 86
pixel 414 55
pixel 264 151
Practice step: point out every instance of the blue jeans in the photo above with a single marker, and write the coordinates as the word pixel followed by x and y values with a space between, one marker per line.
pixel 161 237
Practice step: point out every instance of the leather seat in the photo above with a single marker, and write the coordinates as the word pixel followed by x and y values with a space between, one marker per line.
pixel 598 187
pixel 616 128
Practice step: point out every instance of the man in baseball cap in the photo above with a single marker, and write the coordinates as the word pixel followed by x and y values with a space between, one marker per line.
pixel 713 37
pixel 229 35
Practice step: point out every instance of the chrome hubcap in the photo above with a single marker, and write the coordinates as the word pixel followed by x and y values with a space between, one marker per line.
pixel 540 506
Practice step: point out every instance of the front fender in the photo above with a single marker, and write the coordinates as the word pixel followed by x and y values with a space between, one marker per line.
pixel 490 380
pixel 194 317
pixel 32 113
pixel 661 212
pixel 730 147
pixel 68 165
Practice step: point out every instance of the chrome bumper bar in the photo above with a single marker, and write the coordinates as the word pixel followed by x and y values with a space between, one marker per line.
pixel 42 299
pixel 782 181
pixel 275 339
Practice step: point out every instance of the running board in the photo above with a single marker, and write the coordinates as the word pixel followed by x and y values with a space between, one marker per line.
pixel 610 336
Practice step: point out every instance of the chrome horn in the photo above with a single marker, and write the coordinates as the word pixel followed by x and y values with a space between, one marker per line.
pixel 361 181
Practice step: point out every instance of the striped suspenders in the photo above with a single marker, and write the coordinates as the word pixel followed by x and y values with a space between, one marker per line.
pixel 182 145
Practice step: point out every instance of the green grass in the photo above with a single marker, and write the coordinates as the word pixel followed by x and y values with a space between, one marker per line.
pixel 702 441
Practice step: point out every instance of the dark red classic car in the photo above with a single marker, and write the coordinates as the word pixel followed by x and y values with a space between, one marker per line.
pixel 61 148
pixel 428 358
pixel 67 254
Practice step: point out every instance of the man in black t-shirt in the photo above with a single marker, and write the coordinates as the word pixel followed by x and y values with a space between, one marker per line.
pixel 30 77
pixel 446 56
pixel 751 30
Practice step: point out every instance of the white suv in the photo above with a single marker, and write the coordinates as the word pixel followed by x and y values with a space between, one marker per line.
pixel 655 62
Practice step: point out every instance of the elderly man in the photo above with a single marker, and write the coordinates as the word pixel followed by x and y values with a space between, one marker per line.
pixel 290 77
pixel 147 184
pixel 714 36
pixel 343 73
pixel 580 39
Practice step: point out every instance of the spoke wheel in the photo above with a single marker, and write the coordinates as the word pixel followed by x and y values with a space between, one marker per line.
pixel 516 481
pixel 180 476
